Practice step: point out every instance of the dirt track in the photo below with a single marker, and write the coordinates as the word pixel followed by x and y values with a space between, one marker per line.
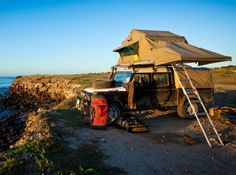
pixel 162 150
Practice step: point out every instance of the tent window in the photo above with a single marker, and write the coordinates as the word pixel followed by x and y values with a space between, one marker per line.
pixel 161 79
pixel 127 51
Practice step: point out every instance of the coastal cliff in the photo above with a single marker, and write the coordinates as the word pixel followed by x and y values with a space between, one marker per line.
pixel 38 138
pixel 31 94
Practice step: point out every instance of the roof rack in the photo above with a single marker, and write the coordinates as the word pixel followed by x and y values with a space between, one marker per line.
pixel 137 64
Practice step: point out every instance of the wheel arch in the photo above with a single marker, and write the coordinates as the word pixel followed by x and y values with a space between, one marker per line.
pixel 115 101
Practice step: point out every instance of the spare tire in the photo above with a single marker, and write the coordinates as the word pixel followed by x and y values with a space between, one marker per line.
pixel 101 84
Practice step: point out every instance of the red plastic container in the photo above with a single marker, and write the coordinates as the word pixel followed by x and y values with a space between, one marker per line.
pixel 99 112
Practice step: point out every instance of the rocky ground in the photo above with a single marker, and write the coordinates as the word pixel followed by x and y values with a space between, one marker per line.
pixel 28 94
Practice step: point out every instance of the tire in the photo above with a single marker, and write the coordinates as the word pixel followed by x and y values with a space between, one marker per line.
pixel 185 111
pixel 101 84
pixel 114 112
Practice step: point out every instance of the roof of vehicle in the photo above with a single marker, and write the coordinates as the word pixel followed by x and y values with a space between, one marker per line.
pixel 164 47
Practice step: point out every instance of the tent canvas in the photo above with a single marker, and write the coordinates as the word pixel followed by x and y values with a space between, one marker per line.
pixel 163 47
pixel 201 78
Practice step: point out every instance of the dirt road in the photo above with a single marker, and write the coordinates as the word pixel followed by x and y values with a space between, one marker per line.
pixel 162 150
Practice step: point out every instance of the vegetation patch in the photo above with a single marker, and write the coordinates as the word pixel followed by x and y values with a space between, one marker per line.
pixel 53 155
pixel 85 80
pixel 87 159
pixel 224 75
pixel 28 158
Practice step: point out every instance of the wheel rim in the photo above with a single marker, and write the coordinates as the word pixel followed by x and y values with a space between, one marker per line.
pixel 190 111
pixel 114 113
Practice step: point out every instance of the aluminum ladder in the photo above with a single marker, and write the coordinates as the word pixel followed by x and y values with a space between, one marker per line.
pixel 193 90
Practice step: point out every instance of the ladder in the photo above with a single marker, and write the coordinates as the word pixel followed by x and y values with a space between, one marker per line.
pixel 193 90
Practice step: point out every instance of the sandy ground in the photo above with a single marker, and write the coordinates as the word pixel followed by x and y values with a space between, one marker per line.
pixel 160 151
pixel 223 87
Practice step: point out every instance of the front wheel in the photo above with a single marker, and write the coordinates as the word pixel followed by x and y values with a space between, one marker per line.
pixel 114 112
pixel 185 111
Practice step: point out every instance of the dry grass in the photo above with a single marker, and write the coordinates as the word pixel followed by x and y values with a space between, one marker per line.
pixel 224 75
pixel 85 80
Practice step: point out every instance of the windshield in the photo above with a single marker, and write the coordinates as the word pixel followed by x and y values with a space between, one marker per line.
pixel 122 77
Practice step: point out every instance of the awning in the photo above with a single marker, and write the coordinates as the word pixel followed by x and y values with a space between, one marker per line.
pixel 131 44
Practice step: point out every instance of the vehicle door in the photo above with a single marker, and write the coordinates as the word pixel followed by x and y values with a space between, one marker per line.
pixel 143 90
pixel 164 93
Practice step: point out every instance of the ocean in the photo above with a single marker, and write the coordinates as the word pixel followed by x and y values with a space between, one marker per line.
pixel 5 83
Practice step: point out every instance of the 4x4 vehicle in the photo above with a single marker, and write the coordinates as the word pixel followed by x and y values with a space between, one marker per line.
pixel 144 86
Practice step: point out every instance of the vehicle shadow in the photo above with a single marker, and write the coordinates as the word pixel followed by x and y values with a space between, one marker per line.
pixel 166 127
pixel 225 98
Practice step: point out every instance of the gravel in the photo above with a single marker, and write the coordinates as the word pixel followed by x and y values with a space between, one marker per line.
pixel 162 150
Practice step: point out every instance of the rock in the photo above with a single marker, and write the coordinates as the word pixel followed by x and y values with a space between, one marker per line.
pixel 212 157
pixel 103 140
pixel 32 93
pixel 41 110
pixel 26 95
pixel 189 140
pixel 10 130
pixel 36 128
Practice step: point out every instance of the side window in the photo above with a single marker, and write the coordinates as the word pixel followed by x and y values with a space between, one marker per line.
pixel 161 79
pixel 142 79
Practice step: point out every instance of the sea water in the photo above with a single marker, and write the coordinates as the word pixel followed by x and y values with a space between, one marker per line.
pixel 5 83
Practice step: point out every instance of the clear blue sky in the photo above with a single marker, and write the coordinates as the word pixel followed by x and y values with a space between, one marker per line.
pixel 66 36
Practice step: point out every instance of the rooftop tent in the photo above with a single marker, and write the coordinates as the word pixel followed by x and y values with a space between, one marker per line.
pixel 163 47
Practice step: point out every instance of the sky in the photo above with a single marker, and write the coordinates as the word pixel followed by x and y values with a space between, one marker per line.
pixel 70 37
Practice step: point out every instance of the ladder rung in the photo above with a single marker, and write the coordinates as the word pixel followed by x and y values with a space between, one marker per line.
pixel 190 91
pixel 201 113
pixel 196 101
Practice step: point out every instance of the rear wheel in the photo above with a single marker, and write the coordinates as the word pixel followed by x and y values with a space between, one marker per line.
pixel 114 112
pixel 185 111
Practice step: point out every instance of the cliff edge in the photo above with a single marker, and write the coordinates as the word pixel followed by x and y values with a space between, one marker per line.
pixel 31 94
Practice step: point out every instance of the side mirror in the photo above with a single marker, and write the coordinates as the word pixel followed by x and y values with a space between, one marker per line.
pixel 112 73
